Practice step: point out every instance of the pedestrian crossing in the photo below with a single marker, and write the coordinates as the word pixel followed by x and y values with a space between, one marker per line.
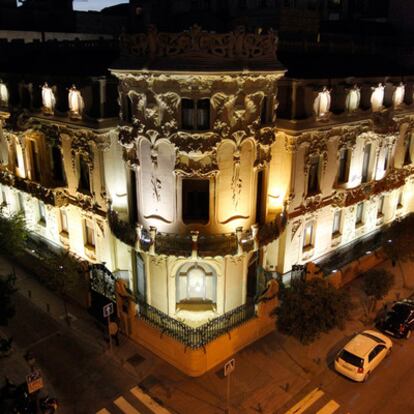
pixel 316 402
pixel 136 401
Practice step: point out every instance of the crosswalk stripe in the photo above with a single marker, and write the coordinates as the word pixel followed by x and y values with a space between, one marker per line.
pixel 148 401
pixel 329 408
pixel 103 411
pixel 306 402
pixel 125 406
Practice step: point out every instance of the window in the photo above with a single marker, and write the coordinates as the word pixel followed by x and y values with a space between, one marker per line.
pixel 400 199
pixel 407 156
pixel 42 213
pixel 89 234
pixel 353 99
pixel 386 159
pixel 343 169
pixel 3 196
pixel 4 95
pixel 380 211
pixel 313 178
pixel 196 200
pixel 56 162
pixel 365 163
pixel 84 178
pixel 196 283
pixel 336 226
pixel 308 236
pixel 20 202
pixel 63 222
pixel 34 161
pixel 263 113
pixel 195 115
pixel 359 214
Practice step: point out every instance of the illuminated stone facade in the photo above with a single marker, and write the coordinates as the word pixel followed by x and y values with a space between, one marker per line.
pixel 219 174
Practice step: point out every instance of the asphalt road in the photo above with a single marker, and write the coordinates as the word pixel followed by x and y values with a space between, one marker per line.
pixel 389 390
pixel 78 373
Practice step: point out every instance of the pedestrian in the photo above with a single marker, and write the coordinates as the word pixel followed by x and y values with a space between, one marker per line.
pixel 114 331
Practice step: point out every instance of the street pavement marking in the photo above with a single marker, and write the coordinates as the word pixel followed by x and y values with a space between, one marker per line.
pixel 103 411
pixel 125 406
pixel 329 408
pixel 306 402
pixel 148 401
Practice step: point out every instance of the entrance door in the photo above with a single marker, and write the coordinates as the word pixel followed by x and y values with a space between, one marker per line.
pixel 102 290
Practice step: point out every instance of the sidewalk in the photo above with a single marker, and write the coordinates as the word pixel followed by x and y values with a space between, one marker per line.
pixel 268 373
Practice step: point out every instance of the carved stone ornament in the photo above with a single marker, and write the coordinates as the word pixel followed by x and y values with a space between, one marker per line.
pixel 312 203
pixel 204 167
pixel 295 227
pixel 200 142
pixel 198 43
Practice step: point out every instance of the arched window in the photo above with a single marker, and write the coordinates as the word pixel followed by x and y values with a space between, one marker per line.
pixel 4 95
pixel 377 98
pixel 48 99
pixel 353 99
pixel 398 96
pixel 196 282
pixel 75 100
pixel 322 103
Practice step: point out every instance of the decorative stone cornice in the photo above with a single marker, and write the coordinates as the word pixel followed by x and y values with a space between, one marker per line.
pixel 201 168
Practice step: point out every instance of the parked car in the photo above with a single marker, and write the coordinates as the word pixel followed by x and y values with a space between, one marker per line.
pixel 399 320
pixel 362 354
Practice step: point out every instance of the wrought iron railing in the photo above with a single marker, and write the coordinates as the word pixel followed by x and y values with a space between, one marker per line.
pixel 173 244
pixel 121 229
pixel 350 252
pixel 196 337
pixel 211 245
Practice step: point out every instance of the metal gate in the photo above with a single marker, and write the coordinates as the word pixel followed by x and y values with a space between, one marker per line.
pixel 102 289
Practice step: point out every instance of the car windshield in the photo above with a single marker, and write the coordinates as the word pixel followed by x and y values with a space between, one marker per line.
pixel 375 338
pixel 351 358
pixel 401 310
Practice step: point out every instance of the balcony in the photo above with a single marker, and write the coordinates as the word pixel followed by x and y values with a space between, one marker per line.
pixel 196 337
pixel 203 245
pixel 53 197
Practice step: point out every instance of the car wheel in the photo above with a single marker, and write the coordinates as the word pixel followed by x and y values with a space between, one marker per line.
pixel 408 333
pixel 366 376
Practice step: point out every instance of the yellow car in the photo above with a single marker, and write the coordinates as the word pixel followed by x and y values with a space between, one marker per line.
pixel 362 354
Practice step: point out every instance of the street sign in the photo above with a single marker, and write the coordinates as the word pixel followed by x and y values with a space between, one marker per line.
pixel 108 310
pixel 34 381
pixel 229 367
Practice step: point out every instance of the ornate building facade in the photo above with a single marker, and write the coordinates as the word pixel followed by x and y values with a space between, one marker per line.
pixel 220 173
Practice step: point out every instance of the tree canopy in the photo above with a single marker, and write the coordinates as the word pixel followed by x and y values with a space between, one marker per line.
pixel 308 308
pixel 376 283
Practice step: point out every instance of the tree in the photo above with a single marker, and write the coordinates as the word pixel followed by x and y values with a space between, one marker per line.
pixel 13 233
pixel 399 242
pixel 7 289
pixel 309 308
pixel 64 275
pixel 376 283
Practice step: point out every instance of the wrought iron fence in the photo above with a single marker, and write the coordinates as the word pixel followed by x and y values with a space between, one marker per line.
pixel 350 252
pixel 202 335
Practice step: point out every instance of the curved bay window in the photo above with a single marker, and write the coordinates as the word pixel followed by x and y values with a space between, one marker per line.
pixel 196 284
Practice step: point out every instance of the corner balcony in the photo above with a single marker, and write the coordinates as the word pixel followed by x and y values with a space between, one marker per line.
pixel 194 244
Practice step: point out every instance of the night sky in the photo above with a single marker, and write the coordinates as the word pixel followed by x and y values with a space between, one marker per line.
pixel 95 4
